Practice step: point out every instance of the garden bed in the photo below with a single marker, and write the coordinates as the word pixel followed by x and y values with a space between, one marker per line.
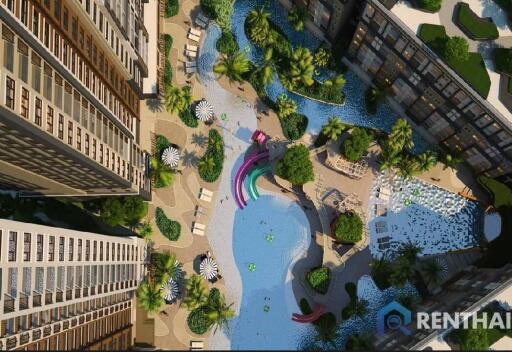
pixel 473 70
pixel 210 165
pixel 475 27
pixel 169 228
pixel 167 66
pixel 319 279
pixel 503 60
pixel 431 6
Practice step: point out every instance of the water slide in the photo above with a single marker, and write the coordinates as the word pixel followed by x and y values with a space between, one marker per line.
pixel 252 177
pixel 309 318
pixel 239 178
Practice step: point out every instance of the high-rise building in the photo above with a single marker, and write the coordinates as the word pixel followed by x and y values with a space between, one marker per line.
pixel 71 77
pixel 444 106
pixel 62 289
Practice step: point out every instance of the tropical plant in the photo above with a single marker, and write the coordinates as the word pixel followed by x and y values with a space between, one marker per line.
pixel 211 163
pixel 233 67
pixel 197 293
pixel 112 212
pixel 322 57
pixel 301 69
pixel 333 128
pixel 161 174
pixel 227 44
pixel 296 166
pixel 408 167
pixel 357 144
pixel 473 339
pixel 171 229
pixel 198 322
pixel 150 297
pixel 258 27
pixel 348 228
pixel 134 208
pixel 381 272
pixel 217 310
pixel 432 271
pixel 267 70
pixel 326 329
pixel 177 99
pixel 297 16
pixel 451 161
pixel 360 342
pixel 145 230
pixel 319 279
pixel 166 267
pixel 219 10
pixel 456 49
pixel 207 164
pixel 390 159
pixel 400 136
pixel 410 252
pixel 403 271
pixel 427 160
pixel 285 106
pixel 331 88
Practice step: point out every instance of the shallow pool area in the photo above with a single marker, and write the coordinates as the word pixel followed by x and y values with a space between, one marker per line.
pixel 414 211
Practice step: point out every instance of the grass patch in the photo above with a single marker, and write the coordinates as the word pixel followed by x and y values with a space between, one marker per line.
pixel 169 228
pixel 501 194
pixel 210 165
pixel 476 27
pixel 472 71
pixel 319 279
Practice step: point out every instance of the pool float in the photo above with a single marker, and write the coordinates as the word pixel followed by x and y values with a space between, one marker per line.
pixel 223 116
pixel 416 192
pixel 251 267
pixel 269 237
pixel 266 308
pixel 407 202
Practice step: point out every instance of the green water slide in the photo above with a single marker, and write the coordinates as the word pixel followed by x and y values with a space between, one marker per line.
pixel 253 176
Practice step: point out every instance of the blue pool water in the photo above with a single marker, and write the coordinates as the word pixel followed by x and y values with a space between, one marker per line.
pixel 267 301
pixel 353 112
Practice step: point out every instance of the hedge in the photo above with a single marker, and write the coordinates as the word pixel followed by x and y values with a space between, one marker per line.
pixel 227 44
pixel 188 118
pixel 217 155
pixel 198 322
pixel 172 8
pixel 294 126
pixel 161 143
pixel 167 67
pixel 169 228
pixel 319 279
pixel 348 228
pixel 476 27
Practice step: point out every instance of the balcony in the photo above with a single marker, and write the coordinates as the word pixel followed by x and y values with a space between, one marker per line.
pixel 36 300
pixel 8 304
pixel 11 343
pixel 81 319
pixel 47 331
pixel 93 291
pixel 24 338
pixel 59 296
pixel 48 298
pixel 100 289
pixel 24 301
pixel 86 291
pixel 73 322
pixel 36 335
pixel 56 328
pixel 65 325
pixel 69 294
pixel 105 288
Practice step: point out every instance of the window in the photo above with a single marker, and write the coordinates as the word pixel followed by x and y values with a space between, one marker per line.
pixel 61 127
pixel 9 55
pixel 49 119
pixel 51 249
pixel 61 249
pixel 94 250
pixel 71 243
pixel 79 138
pixel 13 236
pixel 87 143
pixel 79 250
pixel 47 87
pixel 87 250
pixel 24 12
pixel 35 23
pixel 65 18
pixel 9 92
pixel 39 249
pixel 70 133
pixel 26 246
pixel 23 62
pixel 38 112
pixel 24 102
pixel 56 9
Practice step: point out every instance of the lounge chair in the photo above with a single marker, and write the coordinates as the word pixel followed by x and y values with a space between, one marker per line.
pixel 193 37
pixel 196 345
pixel 206 192
pixel 205 198
pixel 198 232
pixel 199 210
pixel 190 70
pixel 190 64
pixel 195 32
pixel 200 23
pixel 203 18
pixel 199 226
pixel 191 47
pixel 191 53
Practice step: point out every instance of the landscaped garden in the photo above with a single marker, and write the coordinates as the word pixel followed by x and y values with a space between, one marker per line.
pixel 348 228
pixel 455 52
pixel 296 166
pixel 475 27
pixel 162 174
pixel 210 165
pixel 319 279
pixel 501 193
pixel 169 228
pixel 429 5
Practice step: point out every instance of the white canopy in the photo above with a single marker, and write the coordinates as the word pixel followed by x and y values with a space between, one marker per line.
pixel 171 290
pixel 204 111
pixel 208 268
pixel 171 156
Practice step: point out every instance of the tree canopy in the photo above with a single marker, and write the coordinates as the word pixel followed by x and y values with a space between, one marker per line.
pixel 456 49
pixel 355 146
pixel 296 166
pixel 348 227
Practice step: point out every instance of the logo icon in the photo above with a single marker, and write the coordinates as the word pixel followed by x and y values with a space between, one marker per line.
pixel 393 316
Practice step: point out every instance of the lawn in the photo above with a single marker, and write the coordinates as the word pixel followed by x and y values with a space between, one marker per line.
pixel 501 193
pixel 473 70
pixel 429 5
pixel 476 27
pixel 503 60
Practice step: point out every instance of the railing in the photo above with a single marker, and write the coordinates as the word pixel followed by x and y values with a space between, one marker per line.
pixel 65 325
pixel 11 343
pixel 93 291
pixel 81 319
pixel 24 338
pixel 105 288
pixel 56 328
pixel 24 301
pixel 69 295
pixel 73 322
pixel 59 296
pixel 100 289
pixel 8 304
pixel 36 334
pixel 36 300
pixel 77 293
pixel 47 331
pixel 48 298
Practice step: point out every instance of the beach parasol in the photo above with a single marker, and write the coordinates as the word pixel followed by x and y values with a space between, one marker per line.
pixel 171 156
pixel 204 111
pixel 208 268
pixel 171 290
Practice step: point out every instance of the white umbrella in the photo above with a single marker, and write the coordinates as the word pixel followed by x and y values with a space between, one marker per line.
pixel 208 268
pixel 171 156
pixel 171 290
pixel 204 111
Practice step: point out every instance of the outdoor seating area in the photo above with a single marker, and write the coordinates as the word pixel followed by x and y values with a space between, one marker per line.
pixel 191 50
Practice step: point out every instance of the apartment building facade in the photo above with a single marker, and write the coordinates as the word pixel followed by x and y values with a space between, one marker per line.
pixel 71 77
pixel 431 94
pixel 62 289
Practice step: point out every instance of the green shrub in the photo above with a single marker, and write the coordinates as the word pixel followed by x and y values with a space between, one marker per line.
pixel 477 28
pixel 167 66
pixel 356 146
pixel 304 306
pixel 220 11
pixel 210 165
pixel 161 143
pixel 188 118
pixel 319 279
pixel 172 8
pixel 296 166
pixel 227 44
pixel 169 228
pixel 351 289
pixel 430 5
pixel 503 60
pixel 198 322
pixel 348 228
pixel 294 126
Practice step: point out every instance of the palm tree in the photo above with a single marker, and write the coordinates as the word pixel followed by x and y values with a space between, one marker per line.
pixel 427 160
pixel 333 128
pixel 301 69
pixel 358 342
pixel 450 161
pixel 332 87
pixel 177 99
pixel 403 271
pixel 259 30
pixel 197 294
pixel 218 311
pixel 322 57
pixel 297 16
pixel 267 70
pixel 408 167
pixel 326 329
pixel 400 136
pixel 233 67
pixel 207 163
pixel 145 230
pixel 410 252
pixel 432 271
pixel 361 308
pixel 285 106
pixel 150 297
pixel 216 144
pixel 161 174
pixel 166 267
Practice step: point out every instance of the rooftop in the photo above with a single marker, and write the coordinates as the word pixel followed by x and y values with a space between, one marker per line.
pixel 413 19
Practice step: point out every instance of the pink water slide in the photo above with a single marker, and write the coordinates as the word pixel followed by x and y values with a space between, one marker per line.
pixel 309 318
pixel 242 172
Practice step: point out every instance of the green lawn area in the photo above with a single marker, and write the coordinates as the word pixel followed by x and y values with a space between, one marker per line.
pixel 503 60
pixel 430 5
pixel 501 193
pixel 472 71
pixel 475 27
